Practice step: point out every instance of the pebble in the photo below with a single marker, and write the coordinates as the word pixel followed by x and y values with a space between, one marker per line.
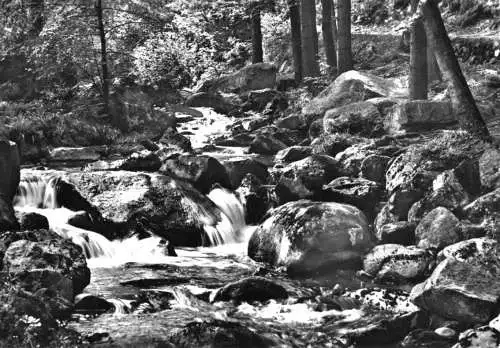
pixel 446 332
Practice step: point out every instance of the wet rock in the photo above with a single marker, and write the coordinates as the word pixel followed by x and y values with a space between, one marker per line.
pixel 401 201
pixel 423 338
pixel 306 177
pixel 56 264
pixel 438 229
pixel 218 334
pixel 8 221
pixel 351 86
pixel 420 115
pixel 286 136
pixel 249 290
pixel 293 153
pixel 467 173
pixel 254 197
pixel 373 168
pixel 211 100
pixel 158 300
pixel 398 263
pixel 140 161
pixel 149 203
pixel 360 118
pixel 387 328
pixel 149 145
pixel 238 168
pixel 316 129
pixel 402 232
pixel 90 304
pixel 385 299
pixel 69 154
pixel 266 145
pixel 32 221
pixel 9 170
pixel 464 291
pixel 489 169
pixel 306 236
pixel 173 142
pixel 252 77
pixel 82 219
pixel 201 171
pixel 482 337
pixel 363 194
pixel 446 332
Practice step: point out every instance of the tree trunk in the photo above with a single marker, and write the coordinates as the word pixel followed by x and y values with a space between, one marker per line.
pixel 334 28
pixel 296 38
pixel 463 103
pixel 35 17
pixel 327 27
pixel 104 56
pixel 257 53
pixel 309 38
pixel 344 35
pixel 418 61
pixel 433 73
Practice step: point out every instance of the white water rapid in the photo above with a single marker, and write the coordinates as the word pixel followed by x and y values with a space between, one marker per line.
pixel 39 195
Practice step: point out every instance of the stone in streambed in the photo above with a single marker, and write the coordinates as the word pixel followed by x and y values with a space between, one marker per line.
pixel 438 229
pixel 307 237
pixel 32 221
pixel 249 290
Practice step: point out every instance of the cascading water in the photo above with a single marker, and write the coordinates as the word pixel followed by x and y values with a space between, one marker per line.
pixel 39 195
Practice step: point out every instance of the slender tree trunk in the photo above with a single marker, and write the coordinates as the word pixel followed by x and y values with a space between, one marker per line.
pixel 344 60
pixel 463 103
pixel 36 17
pixel 334 29
pixel 433 73
pixel 309 38
pixel 296 38
pixel 315 30
pixel 257 52
pixel 104 56
pixel 327 27
pixel 418 61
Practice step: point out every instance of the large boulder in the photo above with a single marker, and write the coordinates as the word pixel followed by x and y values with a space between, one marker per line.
pixel 305 178
pixel 266 145
pixel 139 161
pixel 420 115
pixel 464 286
pixel 351 86
pixel 201 171
pixel 211 100
pixel 50 262
pixel 361 118
pixel 252 77
pixel 293 153
pixel 151 203
pixel 484 208
pixel 307 236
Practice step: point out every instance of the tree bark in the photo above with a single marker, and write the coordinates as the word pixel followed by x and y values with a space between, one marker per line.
pixel 327 28
pixel 463 103
pixel 433 73
pixel 257 52
pixel 309 38
pixel 418 61
pixel 36 17
pixel 104 56
pixel 296 38
pixel 344 60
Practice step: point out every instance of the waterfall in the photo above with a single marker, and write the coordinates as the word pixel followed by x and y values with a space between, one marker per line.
pixel 39 195
pixel 232 224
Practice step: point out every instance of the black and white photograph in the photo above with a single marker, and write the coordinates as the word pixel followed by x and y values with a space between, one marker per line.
pixel 250 173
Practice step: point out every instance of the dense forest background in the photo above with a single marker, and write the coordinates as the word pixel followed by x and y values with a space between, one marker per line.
pixel 56 90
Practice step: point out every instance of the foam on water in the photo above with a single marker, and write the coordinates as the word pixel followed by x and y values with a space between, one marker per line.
pixel 229 234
